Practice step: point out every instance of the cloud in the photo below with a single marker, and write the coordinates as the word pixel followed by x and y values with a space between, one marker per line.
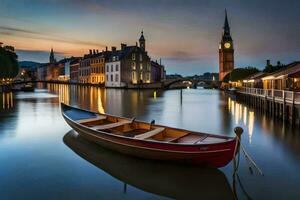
pixel 25 33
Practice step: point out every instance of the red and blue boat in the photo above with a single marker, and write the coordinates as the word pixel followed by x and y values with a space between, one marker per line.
pixel 152 141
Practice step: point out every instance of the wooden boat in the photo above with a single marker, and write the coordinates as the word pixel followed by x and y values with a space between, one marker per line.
pixel 160 178
pixel 150 141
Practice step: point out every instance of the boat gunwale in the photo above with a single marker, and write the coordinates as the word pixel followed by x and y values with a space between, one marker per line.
pixel 229 139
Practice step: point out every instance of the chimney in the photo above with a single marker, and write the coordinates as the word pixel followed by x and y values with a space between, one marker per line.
pixel 91 52
pixel 94 51
pixel 123 46
pixel 113 49
pixel 268 63
pixel 97 51
pixel 106 48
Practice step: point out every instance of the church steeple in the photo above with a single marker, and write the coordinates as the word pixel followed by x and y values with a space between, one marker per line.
pixel 51 57
pixel 142 41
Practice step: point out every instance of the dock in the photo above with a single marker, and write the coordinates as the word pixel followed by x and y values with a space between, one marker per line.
pixel 282 104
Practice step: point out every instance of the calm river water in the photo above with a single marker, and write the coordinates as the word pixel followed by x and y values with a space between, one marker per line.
pixel 40 158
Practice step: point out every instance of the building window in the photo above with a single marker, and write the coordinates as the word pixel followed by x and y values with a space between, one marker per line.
pixel 141 76
pixel 107 77
pixel 111 77
pixel 117 67
pixel 148 67
pixel 111 68
pixel 141 57
pixel 117 78
pixel 133 65
pixel 107 68
pixel 133 56
pixel 141 66
pixel 148 77
pixel 133 77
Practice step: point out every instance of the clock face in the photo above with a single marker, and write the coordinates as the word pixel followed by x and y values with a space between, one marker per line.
pixel 227 45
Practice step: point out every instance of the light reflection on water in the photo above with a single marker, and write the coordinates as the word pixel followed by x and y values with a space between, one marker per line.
pixel 32 150
pixel 7 100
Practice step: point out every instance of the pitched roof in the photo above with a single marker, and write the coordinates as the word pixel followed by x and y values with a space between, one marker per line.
pixel 257 75
pixel 290 70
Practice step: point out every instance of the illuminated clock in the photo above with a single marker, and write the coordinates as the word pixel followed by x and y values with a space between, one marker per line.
pixel 227 45
pixel 220 46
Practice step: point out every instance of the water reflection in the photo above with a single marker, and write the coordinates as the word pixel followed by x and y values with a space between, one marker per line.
pixel 173 181
pixel 6 101
pixel 241 115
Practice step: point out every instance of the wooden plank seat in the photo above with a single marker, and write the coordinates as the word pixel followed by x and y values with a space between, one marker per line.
pixel 149 133
pixel 99 117
pixel 111 125
pixel 179 137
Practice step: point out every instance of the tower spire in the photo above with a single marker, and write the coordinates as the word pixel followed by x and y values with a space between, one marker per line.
pixel 226 25
pixel 51 57
pixel 142 41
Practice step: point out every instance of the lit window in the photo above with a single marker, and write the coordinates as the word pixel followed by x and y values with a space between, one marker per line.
pixel 141 76
pixel 141 66
pixel 133 65
pixel 133 56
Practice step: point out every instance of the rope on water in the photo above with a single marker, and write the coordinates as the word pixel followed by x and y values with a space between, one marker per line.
pixel 238 131
pixel 251 161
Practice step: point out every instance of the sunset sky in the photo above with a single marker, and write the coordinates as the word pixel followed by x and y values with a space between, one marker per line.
pixel 185 34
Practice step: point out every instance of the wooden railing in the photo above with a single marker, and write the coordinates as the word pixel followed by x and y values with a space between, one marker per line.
pixel 279 95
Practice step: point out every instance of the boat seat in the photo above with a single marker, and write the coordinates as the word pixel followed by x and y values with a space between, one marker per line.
pixel 149 133
pixel 99 117
pixel 111 125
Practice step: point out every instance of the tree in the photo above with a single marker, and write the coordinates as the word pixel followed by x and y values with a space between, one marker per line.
pixel 239 74
pixel 9 67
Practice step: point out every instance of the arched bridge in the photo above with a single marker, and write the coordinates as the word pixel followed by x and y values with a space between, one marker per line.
pixel 193 82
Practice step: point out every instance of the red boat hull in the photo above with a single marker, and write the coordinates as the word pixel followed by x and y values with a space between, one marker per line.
pixel 217 155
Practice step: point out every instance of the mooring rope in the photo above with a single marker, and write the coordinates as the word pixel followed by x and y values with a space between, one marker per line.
pixel 247 156
pixel 250 160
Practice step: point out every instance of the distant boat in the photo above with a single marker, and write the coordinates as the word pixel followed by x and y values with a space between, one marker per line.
pixel 27 88
pixel 150 141
pixel 231 91
pixel 160 178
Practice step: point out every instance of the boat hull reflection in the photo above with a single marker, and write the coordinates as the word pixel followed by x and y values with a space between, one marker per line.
pixel 165 179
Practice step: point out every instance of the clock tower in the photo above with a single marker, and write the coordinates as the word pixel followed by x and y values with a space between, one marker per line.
pixel 226 51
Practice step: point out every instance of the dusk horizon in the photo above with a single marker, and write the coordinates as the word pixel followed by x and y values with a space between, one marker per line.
pixel 184 35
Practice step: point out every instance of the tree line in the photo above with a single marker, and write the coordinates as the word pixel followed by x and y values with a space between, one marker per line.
pixel 9 67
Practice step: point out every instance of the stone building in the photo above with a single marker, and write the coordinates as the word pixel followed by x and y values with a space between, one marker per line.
pixel 129 65
pixel 157 72
pixel 74 68
pixel 92 67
